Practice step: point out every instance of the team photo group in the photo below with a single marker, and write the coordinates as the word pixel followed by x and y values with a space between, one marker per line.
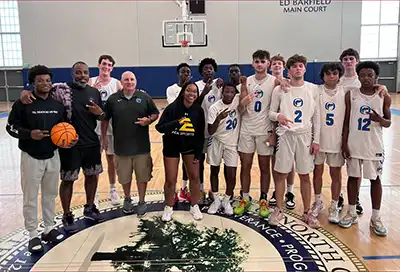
pixel 292 125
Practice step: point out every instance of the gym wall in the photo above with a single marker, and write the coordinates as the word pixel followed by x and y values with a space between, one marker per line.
pixel 57 34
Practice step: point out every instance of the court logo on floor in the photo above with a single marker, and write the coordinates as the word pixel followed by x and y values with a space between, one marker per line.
pixel 217 243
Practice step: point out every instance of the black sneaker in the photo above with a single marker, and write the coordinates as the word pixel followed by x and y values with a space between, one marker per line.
pixel 54 236
pixel 272 200
pixel 128 206
pixel 92 213
pixel 141 209
pixel 263 196
pixel 359 208
pixel 340 202
pixel 35 245
pixel 69 223
pixel 289 201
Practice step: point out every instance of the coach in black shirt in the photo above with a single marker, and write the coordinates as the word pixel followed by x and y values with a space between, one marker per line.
pixel 40 161
pixel 81 102
pixel 132 112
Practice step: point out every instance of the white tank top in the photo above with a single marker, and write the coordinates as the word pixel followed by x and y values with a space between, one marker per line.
pixel 299 104
pixel 333 109
pixel 365 136
pixel 255 120
pixel 105 92
pixel 228 129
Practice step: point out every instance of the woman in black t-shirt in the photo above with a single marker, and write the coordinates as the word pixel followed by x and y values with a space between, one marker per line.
pixel 183 124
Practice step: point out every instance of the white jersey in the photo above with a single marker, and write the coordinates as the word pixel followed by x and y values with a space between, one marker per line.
pixel 350 82
pixel 255 119
pixel 300 105
pixel 105 92
pixel 365 140
pixel 213 96
pixel 228 129
pixel 173 92
pixel 333 108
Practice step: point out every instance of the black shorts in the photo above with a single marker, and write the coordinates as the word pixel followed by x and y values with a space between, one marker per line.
pixel 170 151
pixel 72 159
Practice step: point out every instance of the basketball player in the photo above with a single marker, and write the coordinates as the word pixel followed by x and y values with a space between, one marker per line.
pixel 81 103
pixel 332 107
pixel 223 127
pixel 366 114
pixel 297 111
pixel 132 139
pixel 256 128
pixel 40 162
pixel 184 74
pixel 277 67
pixel 210 92
pixel 182 124
pixel 234 75
pixel 107 85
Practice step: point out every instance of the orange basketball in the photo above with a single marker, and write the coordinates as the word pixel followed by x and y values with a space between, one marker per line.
pixel 63 134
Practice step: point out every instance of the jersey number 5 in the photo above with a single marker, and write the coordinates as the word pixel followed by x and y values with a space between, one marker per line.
pixel 329 119
pixel 298 114
pixel 363 124
pixel 231 124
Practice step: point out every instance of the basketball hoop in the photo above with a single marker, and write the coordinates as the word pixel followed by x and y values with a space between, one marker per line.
pixel 184 46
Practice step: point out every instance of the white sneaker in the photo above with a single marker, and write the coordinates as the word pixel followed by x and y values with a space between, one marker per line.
pixel 195 211
pixel 114 197
pixel 167 215
pixel 317 207
pixel 215 206
pixel 226 205
pixel 333 214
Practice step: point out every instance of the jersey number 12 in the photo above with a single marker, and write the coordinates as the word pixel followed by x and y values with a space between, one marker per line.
pixel 363 124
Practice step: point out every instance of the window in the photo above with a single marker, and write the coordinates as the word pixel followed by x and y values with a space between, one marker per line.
pixel 10 38
pixel 379 29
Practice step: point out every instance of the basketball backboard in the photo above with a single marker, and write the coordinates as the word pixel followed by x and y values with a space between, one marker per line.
pixel 193 31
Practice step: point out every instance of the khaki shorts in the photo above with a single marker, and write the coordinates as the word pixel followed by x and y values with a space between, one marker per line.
pixel 142 165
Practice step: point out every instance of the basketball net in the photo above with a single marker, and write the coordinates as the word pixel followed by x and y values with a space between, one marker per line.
pixel 184 47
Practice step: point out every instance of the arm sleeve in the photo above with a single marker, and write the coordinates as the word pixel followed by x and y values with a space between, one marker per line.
pixel 316 119
pixel 275 102
pixel 167 123
pixel 200 135
pixel 16 120
pixel 151 107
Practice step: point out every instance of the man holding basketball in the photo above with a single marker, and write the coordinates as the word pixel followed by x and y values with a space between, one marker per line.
pixel 40 161
pixel 81 104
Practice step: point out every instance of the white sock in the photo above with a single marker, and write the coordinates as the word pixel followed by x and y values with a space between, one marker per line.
pixel 202 187
pixel 113 186
pixel 375 214
pixel 184 183
pixel 227 198
pixel 352 209
pixel 334 203
pixel 246 196
pixel 47 229
pixel 289 188
pixel 318 198
pixel 215 195
pixel 33 234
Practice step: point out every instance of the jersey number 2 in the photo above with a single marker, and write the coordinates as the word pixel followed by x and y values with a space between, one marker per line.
pixel 363 124
pixel 231 124
pixel 298 114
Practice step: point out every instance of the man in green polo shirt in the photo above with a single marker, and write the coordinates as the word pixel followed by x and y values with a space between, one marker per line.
pixel 132 112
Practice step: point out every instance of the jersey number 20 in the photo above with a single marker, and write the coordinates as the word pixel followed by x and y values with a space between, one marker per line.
pixel 363 124
pixel 231 124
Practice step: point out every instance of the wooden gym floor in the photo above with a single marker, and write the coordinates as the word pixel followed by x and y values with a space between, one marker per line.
pixel 377 253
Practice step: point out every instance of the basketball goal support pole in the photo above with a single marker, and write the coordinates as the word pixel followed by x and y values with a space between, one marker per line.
pixel 184 9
